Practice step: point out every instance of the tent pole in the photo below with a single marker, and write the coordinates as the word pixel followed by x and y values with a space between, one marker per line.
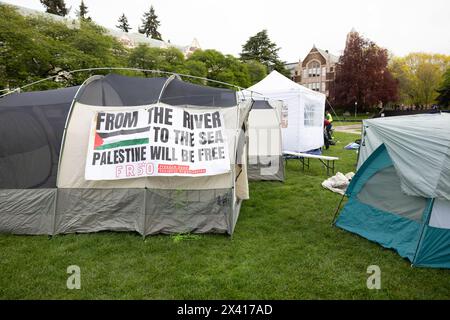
pixel 337 210
pixel 144 213
pixel 169 80
pixel 362 143
pixel 63 139
pixel 55 204
pixel 334 111
pixel 238 88
pixel 422 231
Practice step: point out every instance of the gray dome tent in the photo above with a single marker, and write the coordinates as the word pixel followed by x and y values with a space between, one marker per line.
pixel 44 191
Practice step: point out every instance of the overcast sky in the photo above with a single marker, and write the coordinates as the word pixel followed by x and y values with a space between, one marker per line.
pixel 402 26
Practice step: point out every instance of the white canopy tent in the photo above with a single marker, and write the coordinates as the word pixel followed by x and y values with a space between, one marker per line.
pixel 302 128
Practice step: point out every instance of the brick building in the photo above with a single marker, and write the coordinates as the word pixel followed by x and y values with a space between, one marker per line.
pixel 317 71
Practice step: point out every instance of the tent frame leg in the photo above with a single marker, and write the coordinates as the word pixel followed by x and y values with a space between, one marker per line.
pixel 333 222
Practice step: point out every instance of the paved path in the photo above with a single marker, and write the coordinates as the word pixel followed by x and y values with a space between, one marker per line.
pixel 353 128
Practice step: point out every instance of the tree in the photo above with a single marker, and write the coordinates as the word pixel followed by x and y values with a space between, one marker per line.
pixel 123 23
pixel 362 76
pixel 234 72
pixel 280 67
pixel 150 24
pixel 145 57
pixel 33 48
pixel 257 71
pixel 419 75
pixel 196 69
pixel 222 68
pixel 57 7
pixel 82 12
pixel 444 90
pixel 172 59
pixel 260 48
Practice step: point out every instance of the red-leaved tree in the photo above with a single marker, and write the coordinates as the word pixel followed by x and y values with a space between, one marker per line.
pixel 362 75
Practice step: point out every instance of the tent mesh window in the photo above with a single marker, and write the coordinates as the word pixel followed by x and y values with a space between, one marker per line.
pixel 312 118
pixel 25 155
pixel 383 192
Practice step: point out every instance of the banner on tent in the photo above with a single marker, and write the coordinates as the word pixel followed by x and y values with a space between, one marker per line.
pixel 284 116
pixel 156 141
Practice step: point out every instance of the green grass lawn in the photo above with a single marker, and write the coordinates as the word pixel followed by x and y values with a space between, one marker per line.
pixel 284 247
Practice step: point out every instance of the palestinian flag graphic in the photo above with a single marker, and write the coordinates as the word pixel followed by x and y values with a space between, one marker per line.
pixel 121 138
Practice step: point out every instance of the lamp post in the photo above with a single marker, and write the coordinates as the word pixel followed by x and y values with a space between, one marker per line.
pixel 356 108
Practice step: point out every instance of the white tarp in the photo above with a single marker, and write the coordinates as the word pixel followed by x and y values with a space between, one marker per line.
pixel 305 109
pixel 339 182
pixel 419 146
pixel 156 141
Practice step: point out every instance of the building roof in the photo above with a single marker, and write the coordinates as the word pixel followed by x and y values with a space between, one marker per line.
pixel 291 65
pixel 137 38
pixel 327 55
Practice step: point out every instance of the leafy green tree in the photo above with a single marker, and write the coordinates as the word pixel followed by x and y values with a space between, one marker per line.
pixel 82 12
pixel 280 67
pixel 34 47
pixel 196 69
pixel 145 57
pixel 444 90
pixel 123 23
pixel 57 7
pixel 24 56
pixel 150 24
pixel 260 48
pixel 257 71
pixel 419 76
pixel 212 59
pixel 222 68
pixel 235 72
pixel 172 59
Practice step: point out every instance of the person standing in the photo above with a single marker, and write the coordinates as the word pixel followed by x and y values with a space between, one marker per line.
pixel 329 118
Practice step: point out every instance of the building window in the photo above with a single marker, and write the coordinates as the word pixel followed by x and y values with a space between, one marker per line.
pixel 331 69
pixel 314 86
pixel 314 69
